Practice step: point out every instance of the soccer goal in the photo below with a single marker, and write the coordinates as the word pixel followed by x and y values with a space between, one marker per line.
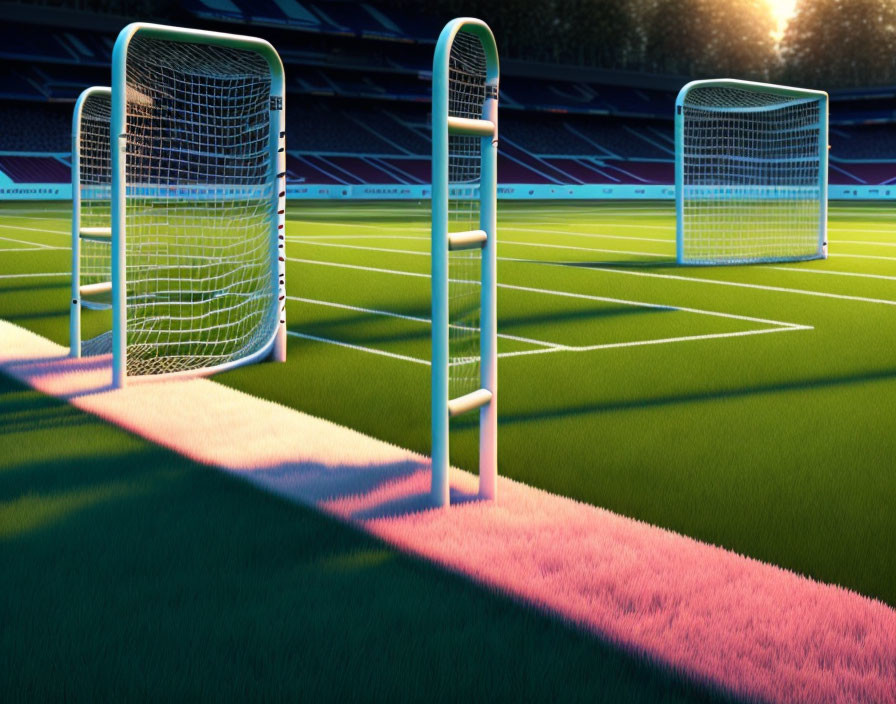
pixel 91 223
pixel 197 202
pixel 464 271
pixel 751 172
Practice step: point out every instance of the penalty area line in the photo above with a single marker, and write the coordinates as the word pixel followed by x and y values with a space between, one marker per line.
pixel 31 276
pixel 359 348
pixel 418 319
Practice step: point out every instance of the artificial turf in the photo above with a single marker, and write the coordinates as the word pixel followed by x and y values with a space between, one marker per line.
pixel 777 445
pixel 130 573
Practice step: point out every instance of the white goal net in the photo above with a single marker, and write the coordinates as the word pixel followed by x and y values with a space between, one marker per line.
pixel 751 173
pixel 91 220
pixel 95 185
pixel 202 200
pixel 466 96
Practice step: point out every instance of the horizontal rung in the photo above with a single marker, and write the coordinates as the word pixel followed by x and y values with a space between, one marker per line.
pixel 94 289
pixel 471 128
pixel 96 233
pixel 467 240
pixel 94 305
pixel 468 402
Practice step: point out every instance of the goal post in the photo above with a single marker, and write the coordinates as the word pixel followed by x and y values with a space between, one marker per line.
pixel 751 172
pixel 198 202
pixel 464 262
pixel 91 192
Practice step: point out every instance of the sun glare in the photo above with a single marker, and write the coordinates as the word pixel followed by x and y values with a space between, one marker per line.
pixel 782 11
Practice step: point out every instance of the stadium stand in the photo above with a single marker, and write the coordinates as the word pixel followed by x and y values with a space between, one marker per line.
pixel 358 103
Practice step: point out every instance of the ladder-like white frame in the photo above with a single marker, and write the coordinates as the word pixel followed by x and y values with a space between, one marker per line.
pixel 102 234
pixel 276 346
pixel 798 94
pixel 486 397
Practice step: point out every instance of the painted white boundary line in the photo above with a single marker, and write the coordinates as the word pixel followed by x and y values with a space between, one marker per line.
pixel 833 273
pixel 32 249
pixel 316 243
pixel 34 245
pixel 738 284
pixel 663 341
pixel 863 256
pixel 547 347
pixel 417 319
pixel 677 277
pixel 32 276
pixel 567 294
pixel 359 348
pixel 660 306
pixel 599 235
pixel 34 229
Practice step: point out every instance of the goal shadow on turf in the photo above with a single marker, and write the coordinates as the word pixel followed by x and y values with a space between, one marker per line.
pixel 817 383
pixel 96 372
pixel 355 490
pixel 613 263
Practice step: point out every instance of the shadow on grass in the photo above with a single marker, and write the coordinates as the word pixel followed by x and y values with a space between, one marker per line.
pixel 509 324
pixel 140 574
pixel 61 284
pixel 671 264
pixel 696 397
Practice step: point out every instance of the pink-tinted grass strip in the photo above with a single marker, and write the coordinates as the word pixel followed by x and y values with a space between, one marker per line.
pixel 752 629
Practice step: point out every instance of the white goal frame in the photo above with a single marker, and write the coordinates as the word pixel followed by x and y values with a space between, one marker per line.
pixel 686 193
pixel 485 399
pixel 80 296
pixel 275 347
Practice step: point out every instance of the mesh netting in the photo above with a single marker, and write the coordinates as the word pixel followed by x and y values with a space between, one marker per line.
pixel 751 188
pixel 95 179
pixel 200 206
pixel 466 96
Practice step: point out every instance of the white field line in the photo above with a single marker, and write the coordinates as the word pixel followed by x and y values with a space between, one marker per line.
pixel 837 229
pixel 601 223
pixel 862 256
pixel 865 242
pixel 584 249
pixel 381 228
pixel 663 341
pixel 385 236
pixel 32 249
pixel 738 284
pixel 567 294
pixel 358 267
pixel 583 234
pixel 31 276
pixel 35 245
pixel 53 218
pixel 659 306
pixel 315 243
pixel 24 212
pixel 776 326
pixel 677 277
pixel 359 348
pixel 833 273
pixel 500 242
pixel 35 229
pixel 417 319
pixel 547 350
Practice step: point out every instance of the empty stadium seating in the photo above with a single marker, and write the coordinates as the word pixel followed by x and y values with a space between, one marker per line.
pixel 358 110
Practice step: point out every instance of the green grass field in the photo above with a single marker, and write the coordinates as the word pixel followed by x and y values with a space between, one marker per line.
pixel 750 407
